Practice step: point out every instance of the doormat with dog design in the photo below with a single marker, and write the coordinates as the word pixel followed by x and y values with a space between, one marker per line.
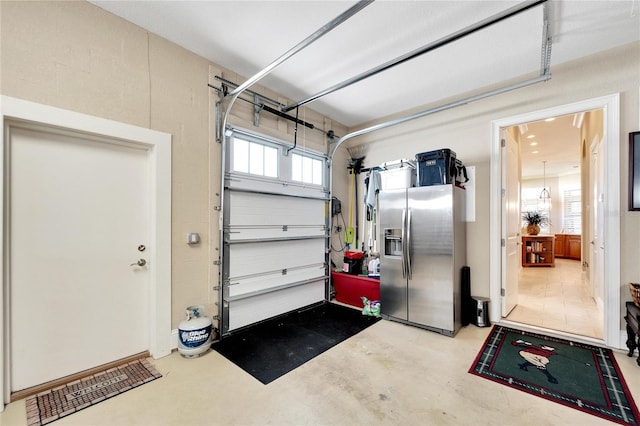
pixel 574 374
pixel 64 400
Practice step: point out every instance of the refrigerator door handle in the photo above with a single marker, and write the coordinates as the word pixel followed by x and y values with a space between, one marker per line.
pixel 409 272
pixel 404 242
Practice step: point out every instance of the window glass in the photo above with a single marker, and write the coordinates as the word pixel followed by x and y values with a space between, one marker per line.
pixel 306 169
pixel 270 161
pixel 240 155
pixel 317 172
pixel 296 168
pixel 256 159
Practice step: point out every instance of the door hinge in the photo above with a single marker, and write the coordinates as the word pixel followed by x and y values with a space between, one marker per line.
pixel 215 317
pixel 217 262
pixel 217 208
pixel 502 292
pixel 216 287
pixel 503 243
pixel 503 143
pixel 503 192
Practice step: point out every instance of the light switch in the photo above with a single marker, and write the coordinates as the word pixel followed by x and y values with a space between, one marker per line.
pixel 193 238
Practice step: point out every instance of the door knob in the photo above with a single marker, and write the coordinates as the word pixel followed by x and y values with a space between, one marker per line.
pixel 140 262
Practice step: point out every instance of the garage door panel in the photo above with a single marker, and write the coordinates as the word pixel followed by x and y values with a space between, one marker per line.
pixel 254 309
pixel 236 181
pixel 251 233
pixel 259 283
pixel 255 258
pixel 253 209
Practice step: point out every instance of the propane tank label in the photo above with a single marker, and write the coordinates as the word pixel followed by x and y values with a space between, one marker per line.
pixel 195 338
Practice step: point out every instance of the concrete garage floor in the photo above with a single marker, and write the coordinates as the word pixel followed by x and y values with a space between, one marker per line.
pixel 388 374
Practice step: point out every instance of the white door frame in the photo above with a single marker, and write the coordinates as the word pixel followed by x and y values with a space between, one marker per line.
pixel 595 275
pixel 158 145
pixel 611 153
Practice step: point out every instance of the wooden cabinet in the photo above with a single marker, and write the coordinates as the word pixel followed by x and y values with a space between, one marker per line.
pixel 559 245
pixel 538 250
pixel 573 247
pixel 568 246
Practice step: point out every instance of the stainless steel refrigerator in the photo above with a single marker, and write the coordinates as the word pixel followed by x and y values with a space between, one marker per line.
pixel 423 237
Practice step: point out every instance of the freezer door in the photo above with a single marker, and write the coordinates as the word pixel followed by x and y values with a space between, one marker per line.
pixel 393 281
pixel 430 251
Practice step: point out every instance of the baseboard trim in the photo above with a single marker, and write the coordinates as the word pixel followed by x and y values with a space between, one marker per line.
pixel 174 339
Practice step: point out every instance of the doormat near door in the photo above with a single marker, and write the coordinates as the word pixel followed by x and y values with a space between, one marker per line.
pixel 275 347
pixel 54 404
pixel 574 374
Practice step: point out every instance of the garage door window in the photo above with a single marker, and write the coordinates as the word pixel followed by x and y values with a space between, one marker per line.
pixel 254 158
pixel 306 169
pixel 270 161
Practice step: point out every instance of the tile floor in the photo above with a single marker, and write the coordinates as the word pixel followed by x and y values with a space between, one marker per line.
pixel 558 298
pixel 389 374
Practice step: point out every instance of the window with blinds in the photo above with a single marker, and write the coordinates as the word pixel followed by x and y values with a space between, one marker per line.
pixel 572 211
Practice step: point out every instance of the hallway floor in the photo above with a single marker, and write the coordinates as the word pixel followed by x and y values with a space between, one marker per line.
pixel 558 298
pixel 389 374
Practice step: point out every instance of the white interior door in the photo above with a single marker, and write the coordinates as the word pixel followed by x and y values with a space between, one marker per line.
pixel 596 255
pixel 511 224
pixel 79 212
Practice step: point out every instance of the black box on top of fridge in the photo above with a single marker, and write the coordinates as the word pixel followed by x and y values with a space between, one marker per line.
pixel 436 167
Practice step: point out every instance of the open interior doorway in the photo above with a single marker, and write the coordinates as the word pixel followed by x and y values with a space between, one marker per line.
pixel 556 289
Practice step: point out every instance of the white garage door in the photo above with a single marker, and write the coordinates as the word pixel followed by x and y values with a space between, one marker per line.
pixel 275 229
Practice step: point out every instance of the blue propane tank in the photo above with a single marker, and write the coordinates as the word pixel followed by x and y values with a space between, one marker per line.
pixel 194 333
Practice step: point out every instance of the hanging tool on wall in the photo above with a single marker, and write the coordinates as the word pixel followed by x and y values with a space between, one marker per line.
pixel 355 201
pixel 355 166
pixel 372 185
pixel 348 230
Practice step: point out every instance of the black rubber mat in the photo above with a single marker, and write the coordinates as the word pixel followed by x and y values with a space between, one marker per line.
pixel 275 347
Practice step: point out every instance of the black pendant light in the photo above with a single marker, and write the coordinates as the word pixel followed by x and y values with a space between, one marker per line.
pixel 545 195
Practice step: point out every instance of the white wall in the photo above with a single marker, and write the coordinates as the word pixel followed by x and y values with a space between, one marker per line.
pixel 467 130
pixel 76 56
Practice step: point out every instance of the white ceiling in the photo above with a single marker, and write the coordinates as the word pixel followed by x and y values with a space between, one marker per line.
pixel 555 142
pixel 246 36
